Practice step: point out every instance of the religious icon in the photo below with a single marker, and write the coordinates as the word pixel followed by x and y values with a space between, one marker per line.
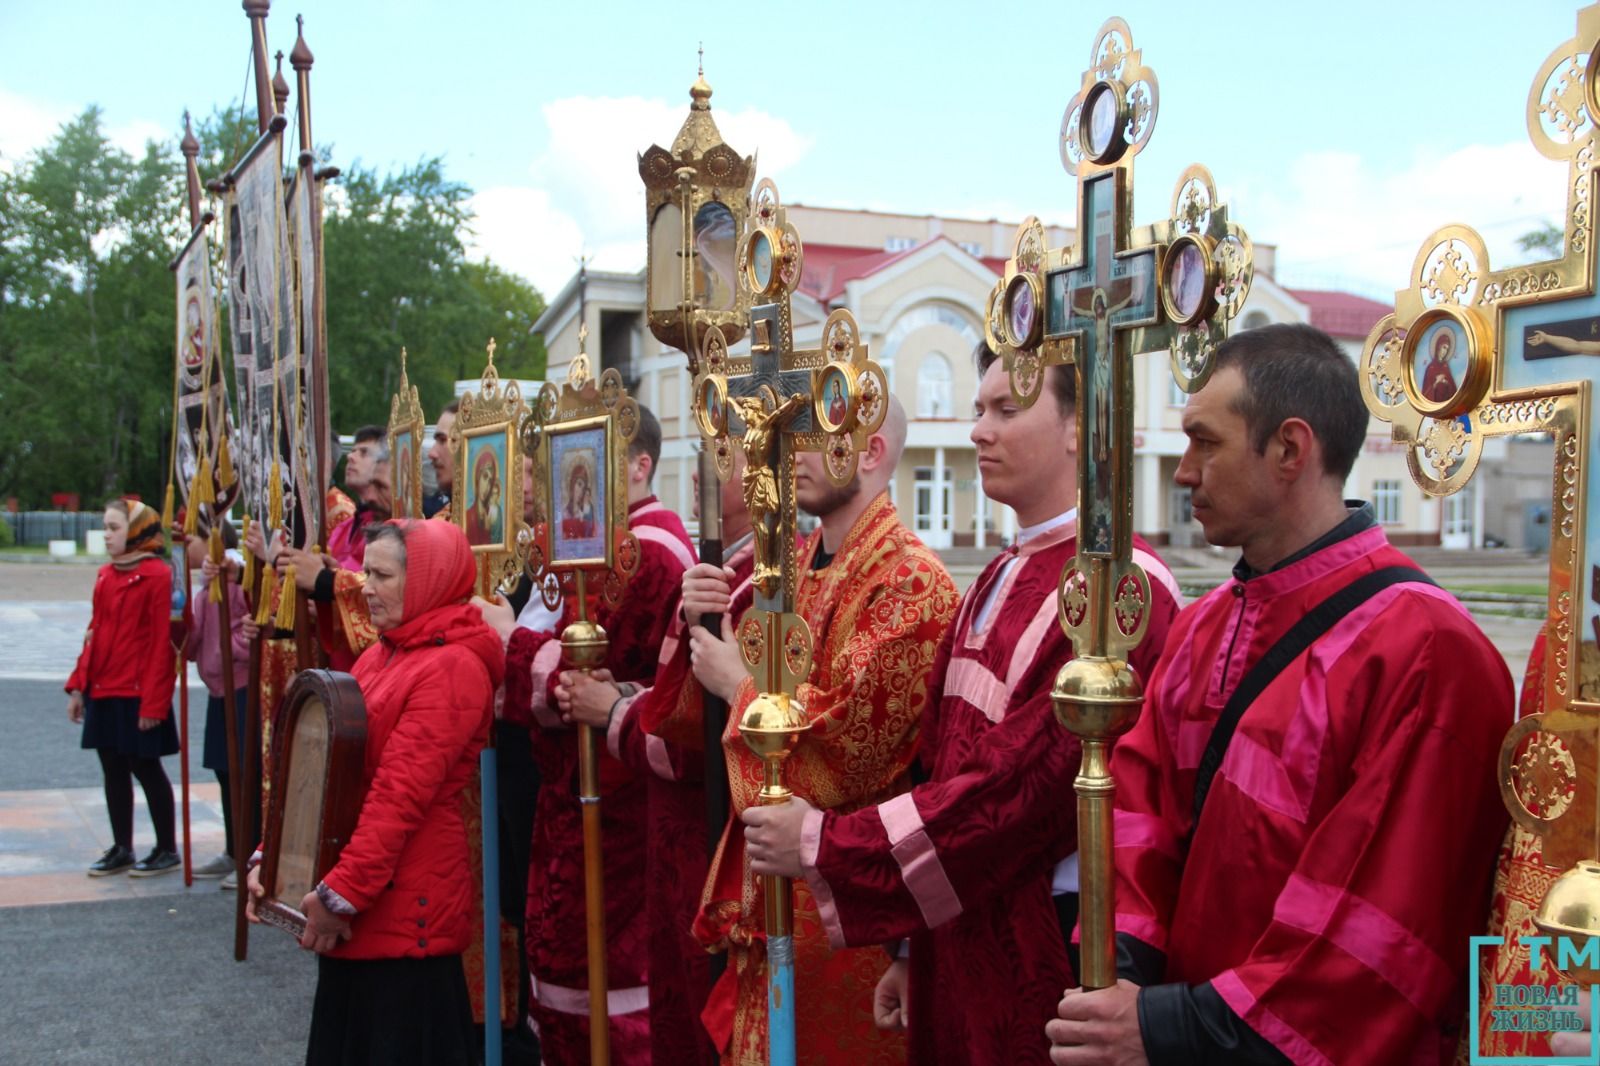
pixel 194 338
pixel 834 402
pixel 711 402
pixel 487 502
pixel 1446 364
pixel 1186 281
pixel 760 261
pixel 578 494
pixel 760 483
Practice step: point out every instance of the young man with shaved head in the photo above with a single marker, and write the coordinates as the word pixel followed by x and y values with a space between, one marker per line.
pixel 878 602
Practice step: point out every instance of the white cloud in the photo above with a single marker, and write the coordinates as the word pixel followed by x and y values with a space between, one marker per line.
pixel 1343 220
pixel 586 197
pixel 27 124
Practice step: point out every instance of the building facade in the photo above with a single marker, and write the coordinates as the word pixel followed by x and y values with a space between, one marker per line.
pixel 918 286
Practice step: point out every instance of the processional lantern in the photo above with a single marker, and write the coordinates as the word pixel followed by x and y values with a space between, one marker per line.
pixel 697 197
pixel 1471 353
pixel 581 551
pixel 772 404
pixel 405 445
pixel 1122 291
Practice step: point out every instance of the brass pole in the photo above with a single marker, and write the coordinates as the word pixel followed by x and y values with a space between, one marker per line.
pixel 584 645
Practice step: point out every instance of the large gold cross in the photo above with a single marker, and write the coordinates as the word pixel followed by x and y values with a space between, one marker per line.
pixel 1123 291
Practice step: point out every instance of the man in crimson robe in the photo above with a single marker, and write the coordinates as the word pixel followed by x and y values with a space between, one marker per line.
pixel 968 863
pixel 1318 909
pixel 555 933
pixel 878 602
pixel 675 854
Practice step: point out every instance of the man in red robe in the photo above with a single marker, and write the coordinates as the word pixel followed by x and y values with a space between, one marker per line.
pixel 878 602
pixel 676 856
pixel 964 864
pixel 555 932
pixel 366 474
pixel 1319 907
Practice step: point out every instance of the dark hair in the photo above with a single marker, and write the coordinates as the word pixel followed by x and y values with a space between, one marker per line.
pixel 647 440
pixel 1063 380
pixel 387 531
pixel 366 433
pixel 230 535
pixel 453 407
pixel 1292 370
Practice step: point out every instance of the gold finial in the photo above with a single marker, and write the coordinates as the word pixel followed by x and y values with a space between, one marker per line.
pixel 700 91
pixel 583 338
pixel 491 351
pixel 402 362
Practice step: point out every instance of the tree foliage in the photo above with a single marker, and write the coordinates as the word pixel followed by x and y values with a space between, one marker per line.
pixel 86 302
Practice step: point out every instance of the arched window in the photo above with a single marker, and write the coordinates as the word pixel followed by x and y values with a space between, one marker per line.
pixel 933 387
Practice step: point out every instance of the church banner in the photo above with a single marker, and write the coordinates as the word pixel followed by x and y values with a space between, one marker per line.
pixel 200 375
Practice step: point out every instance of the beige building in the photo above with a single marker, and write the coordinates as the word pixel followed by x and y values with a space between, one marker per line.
pixel 917 286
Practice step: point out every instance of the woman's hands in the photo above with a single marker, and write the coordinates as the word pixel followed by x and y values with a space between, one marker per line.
pixel 75 707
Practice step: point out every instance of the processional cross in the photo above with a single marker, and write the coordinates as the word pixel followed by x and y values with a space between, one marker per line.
pixel 1472 353
pixel 778 401
pixel 1173 285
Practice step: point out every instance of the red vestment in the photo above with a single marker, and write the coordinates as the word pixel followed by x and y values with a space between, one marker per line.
pixel 1521 880
pixel 877 613
pixel 971 853
pixel 555 933
pixel 675 853
pixel 1349 836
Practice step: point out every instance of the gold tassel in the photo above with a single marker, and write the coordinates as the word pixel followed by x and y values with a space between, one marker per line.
pixel 217 559
pixel 225 474
pixel 286 598
pixel 247 575
pixel 275 498
pixel 269 584
pixel 202 491
pixel 166 510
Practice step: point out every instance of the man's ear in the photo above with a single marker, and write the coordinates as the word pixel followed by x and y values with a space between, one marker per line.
pixel 1297 449
pixel 876 451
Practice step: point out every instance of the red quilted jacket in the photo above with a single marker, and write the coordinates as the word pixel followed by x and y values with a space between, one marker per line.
pixel 429 686
pixel 128 650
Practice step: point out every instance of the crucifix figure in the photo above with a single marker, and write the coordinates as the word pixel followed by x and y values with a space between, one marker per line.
pixel 775 402
pixel 1173 285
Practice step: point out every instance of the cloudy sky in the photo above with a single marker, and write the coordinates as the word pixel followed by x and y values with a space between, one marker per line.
pixel 1344 133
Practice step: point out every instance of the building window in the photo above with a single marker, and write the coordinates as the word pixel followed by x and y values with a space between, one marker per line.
pixel 972 248
pixel 932 514
pixel 899 244
pixel 1386 501
pixel 933 387
pixel 1255 320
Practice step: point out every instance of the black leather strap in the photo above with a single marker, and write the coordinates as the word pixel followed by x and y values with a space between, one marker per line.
pixel 1289 647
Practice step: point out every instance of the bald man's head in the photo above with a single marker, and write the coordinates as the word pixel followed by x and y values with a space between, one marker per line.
pixel 879 463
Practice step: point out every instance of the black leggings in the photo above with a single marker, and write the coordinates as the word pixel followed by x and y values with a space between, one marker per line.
pixel 120 770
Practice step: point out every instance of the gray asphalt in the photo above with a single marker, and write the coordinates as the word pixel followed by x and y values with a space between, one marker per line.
pixel 148 981
pixel 133 981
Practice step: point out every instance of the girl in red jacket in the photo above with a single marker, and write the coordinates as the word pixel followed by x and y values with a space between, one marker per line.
pixel 392 918
pixel 121 689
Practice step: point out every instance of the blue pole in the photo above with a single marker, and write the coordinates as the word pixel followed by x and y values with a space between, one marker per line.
pixel 491 907
pixel 780 1001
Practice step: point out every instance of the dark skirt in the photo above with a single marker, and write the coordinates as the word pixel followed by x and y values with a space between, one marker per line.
pixel 399 1011
pixel 112 724
pixel 215 757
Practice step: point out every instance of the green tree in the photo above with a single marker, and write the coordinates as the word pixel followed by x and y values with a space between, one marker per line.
pixel 1542 243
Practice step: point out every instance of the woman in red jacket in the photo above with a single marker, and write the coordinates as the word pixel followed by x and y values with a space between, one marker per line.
pixel 121 689
pixel 393 916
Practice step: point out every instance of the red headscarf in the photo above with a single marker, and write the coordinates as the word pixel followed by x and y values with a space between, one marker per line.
pixel 440 572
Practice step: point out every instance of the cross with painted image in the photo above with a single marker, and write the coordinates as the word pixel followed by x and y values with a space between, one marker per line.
pixel 1175 285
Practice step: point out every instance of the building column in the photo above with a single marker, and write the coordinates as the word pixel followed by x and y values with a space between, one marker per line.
pixel 1009 526
pixel 937 515
pixel 980 509
pixel 1147 488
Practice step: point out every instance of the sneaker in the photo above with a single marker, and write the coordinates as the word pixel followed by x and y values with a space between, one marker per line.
pixel 157 862
pixel 221 866
pixel 231 882
pixel 116 859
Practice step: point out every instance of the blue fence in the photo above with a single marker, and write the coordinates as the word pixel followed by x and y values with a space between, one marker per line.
pixel 38 528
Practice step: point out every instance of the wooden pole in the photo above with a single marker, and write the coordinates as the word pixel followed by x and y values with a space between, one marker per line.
pixel 257 10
